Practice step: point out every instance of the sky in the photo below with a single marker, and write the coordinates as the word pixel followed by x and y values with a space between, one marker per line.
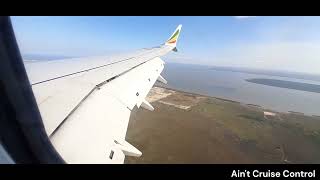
pixel 277 43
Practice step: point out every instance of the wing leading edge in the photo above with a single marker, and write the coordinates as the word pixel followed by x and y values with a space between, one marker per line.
pixel 86 103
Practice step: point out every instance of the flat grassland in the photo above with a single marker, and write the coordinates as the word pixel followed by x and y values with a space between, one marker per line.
pixel 191 128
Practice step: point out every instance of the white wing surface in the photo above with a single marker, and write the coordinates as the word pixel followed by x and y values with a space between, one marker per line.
pixel 85 103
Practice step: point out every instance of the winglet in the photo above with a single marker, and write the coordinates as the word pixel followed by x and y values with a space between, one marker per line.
pixel 172 41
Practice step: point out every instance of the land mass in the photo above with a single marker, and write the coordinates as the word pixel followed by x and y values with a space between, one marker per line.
pixel 287 84
pixel 192 128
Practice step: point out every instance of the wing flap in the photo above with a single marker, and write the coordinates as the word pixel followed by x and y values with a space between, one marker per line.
pixel 99 125
pixel 89 133
pixel 57 98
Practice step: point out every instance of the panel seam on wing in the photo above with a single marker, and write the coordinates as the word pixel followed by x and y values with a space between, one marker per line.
pixel 97 87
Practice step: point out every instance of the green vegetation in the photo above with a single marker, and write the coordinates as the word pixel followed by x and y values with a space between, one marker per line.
pixel 221 131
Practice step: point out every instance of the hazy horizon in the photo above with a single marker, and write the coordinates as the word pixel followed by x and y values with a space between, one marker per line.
pixel 40 57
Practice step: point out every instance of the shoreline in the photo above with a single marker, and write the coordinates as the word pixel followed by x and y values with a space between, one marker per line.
pixel 223 131
pixel 241 103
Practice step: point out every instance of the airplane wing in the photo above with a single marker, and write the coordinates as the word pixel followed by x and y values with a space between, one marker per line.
pixel 85 103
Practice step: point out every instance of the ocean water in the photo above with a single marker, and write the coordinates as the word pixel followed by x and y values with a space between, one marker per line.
pixel 231 84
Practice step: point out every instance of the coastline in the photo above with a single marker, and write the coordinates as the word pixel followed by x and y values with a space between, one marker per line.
pixel 241 103
pixel 193 128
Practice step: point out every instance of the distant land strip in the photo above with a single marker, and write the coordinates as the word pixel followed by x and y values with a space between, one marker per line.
pixel 287 84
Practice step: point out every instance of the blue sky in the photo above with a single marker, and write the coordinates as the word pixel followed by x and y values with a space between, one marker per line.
pixel 280 43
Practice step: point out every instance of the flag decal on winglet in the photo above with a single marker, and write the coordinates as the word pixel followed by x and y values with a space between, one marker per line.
pixel 174 37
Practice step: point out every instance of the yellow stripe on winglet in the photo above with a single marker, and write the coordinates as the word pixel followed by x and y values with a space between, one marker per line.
pixel 173 39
